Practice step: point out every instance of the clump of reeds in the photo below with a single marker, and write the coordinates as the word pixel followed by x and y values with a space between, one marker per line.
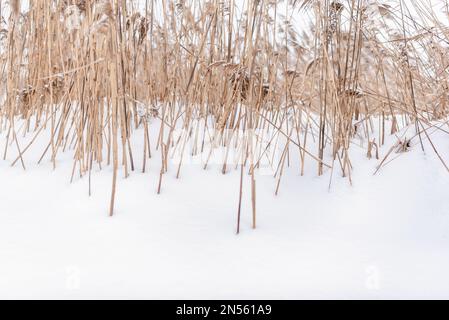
pixel 233 72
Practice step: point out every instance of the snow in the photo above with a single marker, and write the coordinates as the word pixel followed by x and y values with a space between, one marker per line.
pixel 386 236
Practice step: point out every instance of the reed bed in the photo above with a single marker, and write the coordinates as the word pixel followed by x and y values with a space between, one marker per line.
pixel 239 74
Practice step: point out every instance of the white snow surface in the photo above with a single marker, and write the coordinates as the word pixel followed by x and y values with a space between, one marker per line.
pixel 386 236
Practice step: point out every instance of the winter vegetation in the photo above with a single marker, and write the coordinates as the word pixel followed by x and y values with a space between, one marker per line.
pixel 94 71
pixel 252 89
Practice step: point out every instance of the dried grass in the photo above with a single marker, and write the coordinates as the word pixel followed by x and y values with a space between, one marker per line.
pixel 92 71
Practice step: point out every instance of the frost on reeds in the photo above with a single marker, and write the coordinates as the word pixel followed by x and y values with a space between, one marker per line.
pixel 301 77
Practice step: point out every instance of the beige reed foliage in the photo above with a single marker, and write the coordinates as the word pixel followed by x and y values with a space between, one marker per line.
pixel 94 71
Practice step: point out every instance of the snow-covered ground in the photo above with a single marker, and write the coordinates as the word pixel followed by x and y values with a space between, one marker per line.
pixel 387 236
